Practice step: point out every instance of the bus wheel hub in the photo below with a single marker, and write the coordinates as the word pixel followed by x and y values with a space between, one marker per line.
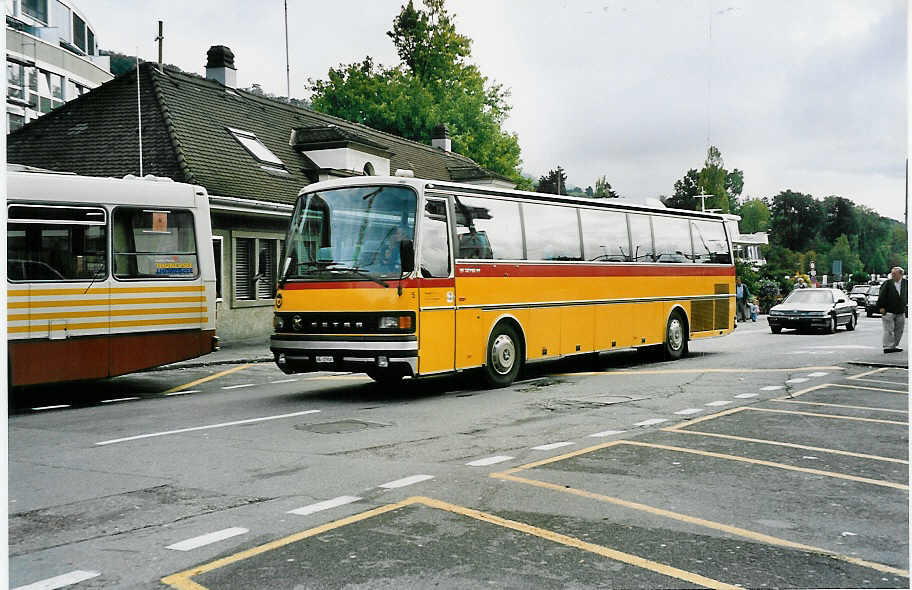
pixel 504 353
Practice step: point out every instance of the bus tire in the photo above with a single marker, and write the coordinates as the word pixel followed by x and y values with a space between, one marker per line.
pixel 675 336
pixel 503 356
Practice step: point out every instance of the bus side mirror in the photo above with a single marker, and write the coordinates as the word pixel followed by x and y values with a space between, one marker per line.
pixel 407 256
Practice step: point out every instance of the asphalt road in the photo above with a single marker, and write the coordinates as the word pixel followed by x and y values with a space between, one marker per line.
pixel 760 460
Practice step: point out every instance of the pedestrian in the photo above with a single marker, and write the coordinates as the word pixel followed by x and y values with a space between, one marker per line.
pixel 742 296
pixel 893 303
pixel 754 309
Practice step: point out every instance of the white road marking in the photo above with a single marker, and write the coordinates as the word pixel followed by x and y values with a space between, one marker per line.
pixel 239 386
pixel 772 387
pixel 650 422
pixel 818 374
pixel 745 395
pixel 689 411
pixel 846 347
pixel 284 381
pixel 606 433
pixel 184 392
pixel 325 505
pixel 488 461
pixel 61 581
pixel 50 407
pixel 119 399
pixel 210 426
pixel 208 539
pixel 718 403
pixel 550 446
pixel 406 481
pixel 797 380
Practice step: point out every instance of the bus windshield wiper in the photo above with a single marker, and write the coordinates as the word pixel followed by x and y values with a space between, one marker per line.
pixel 359 272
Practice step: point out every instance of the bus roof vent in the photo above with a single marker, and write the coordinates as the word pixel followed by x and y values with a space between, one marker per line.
pixel 405 172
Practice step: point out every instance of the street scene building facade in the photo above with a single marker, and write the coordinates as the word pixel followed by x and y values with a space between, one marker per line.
pixel 52 56
pixel 252 154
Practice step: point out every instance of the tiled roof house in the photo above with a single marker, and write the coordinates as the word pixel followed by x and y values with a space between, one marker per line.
pixel 252 154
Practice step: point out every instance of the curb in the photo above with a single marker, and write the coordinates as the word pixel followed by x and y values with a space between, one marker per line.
pixel 879 364
pixel 192 365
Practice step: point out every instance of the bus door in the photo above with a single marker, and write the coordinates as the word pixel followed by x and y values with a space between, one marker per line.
pixel 437 291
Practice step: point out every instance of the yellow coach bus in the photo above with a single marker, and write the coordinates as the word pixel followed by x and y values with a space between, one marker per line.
pixel 405 277
pixel 105 276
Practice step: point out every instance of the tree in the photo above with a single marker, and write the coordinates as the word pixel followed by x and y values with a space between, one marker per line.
pixel 603 190
pixel 434 83
pixel 794 219
pixel 839 218
pixel 685 193
pixel 589 191
pixel 734 184
pixel 712 179
pixel 755 216
pixel 841 250
pixel 555 182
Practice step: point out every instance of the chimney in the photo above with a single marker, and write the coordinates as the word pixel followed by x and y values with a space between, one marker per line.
pixel 440 138
pixel 220 66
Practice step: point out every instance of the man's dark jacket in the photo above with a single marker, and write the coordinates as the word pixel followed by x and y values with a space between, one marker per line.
pixel 892 301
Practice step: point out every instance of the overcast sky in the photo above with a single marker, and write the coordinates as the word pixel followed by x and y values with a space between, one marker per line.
pixel 801 95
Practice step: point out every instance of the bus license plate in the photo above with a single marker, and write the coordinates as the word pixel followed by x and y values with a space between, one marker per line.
pixel 324 359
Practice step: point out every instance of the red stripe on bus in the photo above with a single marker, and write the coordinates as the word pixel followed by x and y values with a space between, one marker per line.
pixel 489 269
pixel 406 284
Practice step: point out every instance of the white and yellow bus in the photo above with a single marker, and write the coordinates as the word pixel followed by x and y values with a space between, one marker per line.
pixel 405 277
pixel 105 276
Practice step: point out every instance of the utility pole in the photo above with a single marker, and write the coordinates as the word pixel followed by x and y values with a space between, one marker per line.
pixel 287 66
pixel 160 39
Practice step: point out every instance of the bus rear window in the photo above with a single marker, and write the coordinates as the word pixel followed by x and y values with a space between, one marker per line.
pixel 154 244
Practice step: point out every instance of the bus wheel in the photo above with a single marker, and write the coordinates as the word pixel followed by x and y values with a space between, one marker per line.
pixel 503 357
pixel 385 377
pixel 675 337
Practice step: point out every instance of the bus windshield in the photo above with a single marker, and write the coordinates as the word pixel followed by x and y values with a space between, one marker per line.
pixel 349 233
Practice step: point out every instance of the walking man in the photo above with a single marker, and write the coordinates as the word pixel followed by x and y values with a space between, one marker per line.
pixel 742 296
pixel 893 304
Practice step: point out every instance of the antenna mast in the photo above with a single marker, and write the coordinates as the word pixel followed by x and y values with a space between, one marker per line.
pixel 160 39
pixel 287 66
pixel 139 113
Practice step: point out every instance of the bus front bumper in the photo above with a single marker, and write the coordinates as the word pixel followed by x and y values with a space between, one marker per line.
pixel 296 353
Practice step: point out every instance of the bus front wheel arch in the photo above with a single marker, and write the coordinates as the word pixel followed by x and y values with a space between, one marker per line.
pixel 676 335
pixel 504 355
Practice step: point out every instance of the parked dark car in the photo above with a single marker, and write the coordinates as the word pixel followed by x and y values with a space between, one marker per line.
pixel 859 294
pixel 870 304
pixel 804 309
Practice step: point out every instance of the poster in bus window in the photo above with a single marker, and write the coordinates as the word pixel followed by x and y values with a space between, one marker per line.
pixel 173 266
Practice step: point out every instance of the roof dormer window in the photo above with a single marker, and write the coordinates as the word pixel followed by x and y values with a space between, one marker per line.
pixel 256 148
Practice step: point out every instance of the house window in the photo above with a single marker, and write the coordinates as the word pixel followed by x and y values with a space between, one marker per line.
pixel 62 21
pixel 256 261
pixel 90 41
pixel 14 121
pixel 37 9
pixel 217 256
pixel 15 80
pixel 256 148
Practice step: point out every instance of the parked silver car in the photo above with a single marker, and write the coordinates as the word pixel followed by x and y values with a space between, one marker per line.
pixel 824 309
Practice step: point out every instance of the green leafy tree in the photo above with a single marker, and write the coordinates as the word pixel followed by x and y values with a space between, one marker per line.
pixel 755 216
pixel 685 191
pixel 713 179
pixel 842 250
pixel 603 190
pixel 434 83
pixel 840 218
pixel 794 220
pixel 589 191
pixel 555 182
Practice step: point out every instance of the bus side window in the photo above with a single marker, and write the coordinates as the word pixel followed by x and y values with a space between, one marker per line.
pixel 710 243
pixel 605 236
pixel 552 232
pixel 672 239
pixel 435 240
pixel 488 229
pixel 154 243
pixel 56 243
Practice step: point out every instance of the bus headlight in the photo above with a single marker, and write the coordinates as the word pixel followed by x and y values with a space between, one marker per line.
pixel 388 322
pixel 277 322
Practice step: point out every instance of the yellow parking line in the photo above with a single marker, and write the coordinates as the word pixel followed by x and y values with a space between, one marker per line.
pixel 693 371
pixel 795 401
pixel 866 373
pixel 182 580
pixel 790 445
pixel 209 378
pixel 899 383
pixel 876 482
pixel 753 535
pixel 902 391
pixel 833 416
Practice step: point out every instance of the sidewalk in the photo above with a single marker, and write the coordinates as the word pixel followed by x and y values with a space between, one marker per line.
pixel 254 350
pixel 877 358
